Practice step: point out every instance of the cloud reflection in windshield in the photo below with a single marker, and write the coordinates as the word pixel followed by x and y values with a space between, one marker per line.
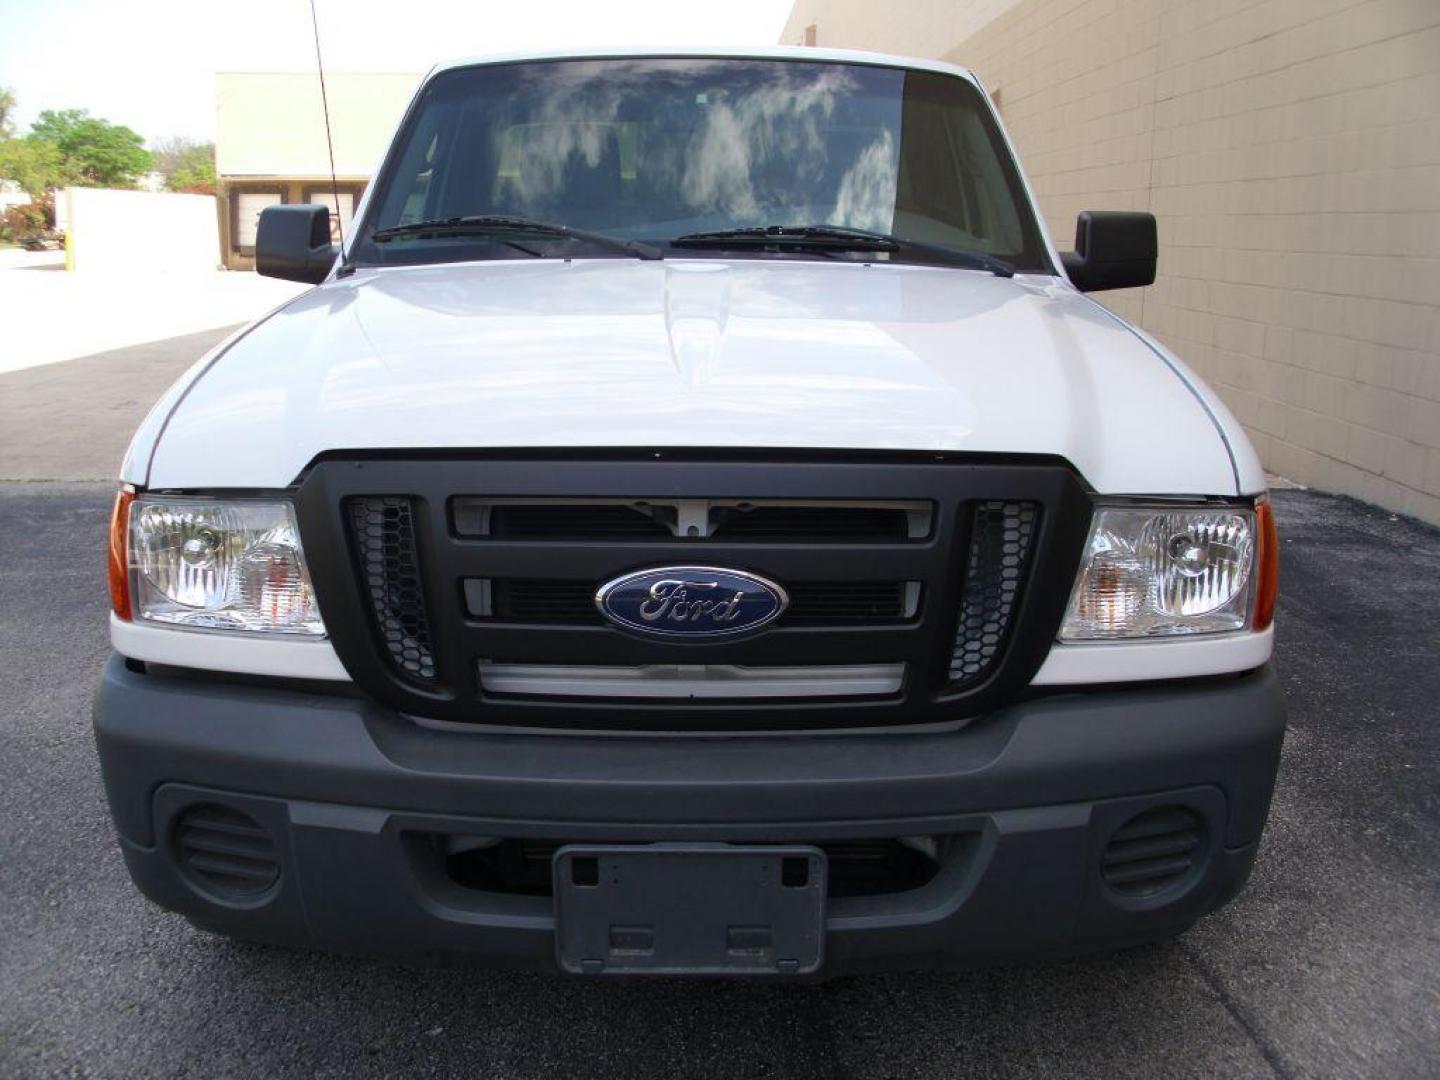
pixel 777 150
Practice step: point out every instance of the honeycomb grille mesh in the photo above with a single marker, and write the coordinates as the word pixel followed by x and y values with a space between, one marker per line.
pixel 999 553
pixel 383 529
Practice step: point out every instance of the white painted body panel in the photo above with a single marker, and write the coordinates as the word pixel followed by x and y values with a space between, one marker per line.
pixel 1249 473
pixel 235 652
pixel 1162 658
pixel 696 353
pixel 693 353
pixel 806 53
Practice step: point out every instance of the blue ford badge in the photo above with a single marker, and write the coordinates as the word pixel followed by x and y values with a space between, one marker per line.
pixel 691 602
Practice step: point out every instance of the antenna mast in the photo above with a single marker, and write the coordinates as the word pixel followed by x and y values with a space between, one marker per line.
pixel 329 141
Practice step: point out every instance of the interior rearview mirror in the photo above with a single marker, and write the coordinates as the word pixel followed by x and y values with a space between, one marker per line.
pixel 1114 249
pixel 293 242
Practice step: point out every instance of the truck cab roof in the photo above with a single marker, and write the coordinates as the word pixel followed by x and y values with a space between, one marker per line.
pixel 805 53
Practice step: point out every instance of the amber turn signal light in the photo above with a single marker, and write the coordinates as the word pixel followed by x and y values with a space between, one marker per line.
pixel 119 560
pixel 1267 562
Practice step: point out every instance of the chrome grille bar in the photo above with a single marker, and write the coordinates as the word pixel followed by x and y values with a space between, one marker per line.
pixel 710 682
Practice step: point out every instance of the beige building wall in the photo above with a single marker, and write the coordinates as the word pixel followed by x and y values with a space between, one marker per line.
pixel 1291 152
pixel 270 144
pixel 271 123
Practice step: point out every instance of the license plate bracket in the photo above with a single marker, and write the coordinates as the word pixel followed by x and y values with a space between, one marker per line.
pixel 690 909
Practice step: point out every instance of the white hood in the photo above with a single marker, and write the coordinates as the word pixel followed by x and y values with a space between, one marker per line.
pixel 692 353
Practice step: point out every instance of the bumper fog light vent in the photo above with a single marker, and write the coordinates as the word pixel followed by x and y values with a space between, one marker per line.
pixel 1153 851
pixel 225 853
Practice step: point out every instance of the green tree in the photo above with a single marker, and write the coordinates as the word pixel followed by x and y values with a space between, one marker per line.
pixel 186 164
pixel 197 175
pixel 95 151
pixel 36 166
pixel 57 125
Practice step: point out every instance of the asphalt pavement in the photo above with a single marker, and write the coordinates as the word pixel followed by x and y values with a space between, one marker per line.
pixel 73 420
pixel 1327 965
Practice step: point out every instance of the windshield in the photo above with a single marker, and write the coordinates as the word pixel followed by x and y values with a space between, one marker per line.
pixel 656 149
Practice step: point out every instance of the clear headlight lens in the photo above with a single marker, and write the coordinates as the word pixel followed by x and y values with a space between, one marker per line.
pixel 221 566
pixel 1159 571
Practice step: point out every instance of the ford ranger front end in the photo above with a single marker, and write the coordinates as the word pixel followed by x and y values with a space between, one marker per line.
pixel 697 525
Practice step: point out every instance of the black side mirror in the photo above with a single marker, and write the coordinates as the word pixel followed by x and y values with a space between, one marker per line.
pixel 1114 249
pixel 293 242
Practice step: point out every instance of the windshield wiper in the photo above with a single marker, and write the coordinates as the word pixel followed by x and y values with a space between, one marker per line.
pixel 480 224
pixel 841 238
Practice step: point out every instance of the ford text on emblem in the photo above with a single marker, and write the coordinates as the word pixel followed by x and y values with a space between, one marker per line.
pixel 691 602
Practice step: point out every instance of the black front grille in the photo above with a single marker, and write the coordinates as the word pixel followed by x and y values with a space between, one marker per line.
pixel 575 521
pixel 562 602
pixel 955 571
pixel 821 603
pixel 812 603
pixel 226 853
pixel 383 531
pixel 583 521
pixel 1153 852
pixel 1000 540
pixel 809 524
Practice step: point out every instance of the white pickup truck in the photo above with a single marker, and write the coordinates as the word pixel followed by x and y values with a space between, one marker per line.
pixel 697 524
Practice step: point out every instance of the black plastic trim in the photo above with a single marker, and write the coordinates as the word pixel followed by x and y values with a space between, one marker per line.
pixel 925 644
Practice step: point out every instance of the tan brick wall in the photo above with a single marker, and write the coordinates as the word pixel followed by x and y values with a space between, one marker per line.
pixel 1291 152
pixel 908 27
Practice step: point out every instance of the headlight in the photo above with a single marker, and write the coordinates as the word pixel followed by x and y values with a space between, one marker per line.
pixel 220 565
pixel 1159 571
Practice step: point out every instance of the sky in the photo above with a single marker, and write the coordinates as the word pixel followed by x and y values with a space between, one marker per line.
pixel 150 64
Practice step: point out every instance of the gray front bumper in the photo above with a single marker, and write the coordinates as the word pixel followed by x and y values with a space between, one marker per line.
pixel 345 788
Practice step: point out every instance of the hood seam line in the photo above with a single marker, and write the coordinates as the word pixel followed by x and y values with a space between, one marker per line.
pixel 1204 405
pixel 219 355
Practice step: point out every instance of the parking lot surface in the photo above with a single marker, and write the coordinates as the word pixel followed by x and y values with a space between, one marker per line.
pixel 59 316
pixel 73 420
pixel 1328 965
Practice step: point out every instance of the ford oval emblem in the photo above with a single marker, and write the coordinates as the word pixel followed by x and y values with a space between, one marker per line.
pixel 694 603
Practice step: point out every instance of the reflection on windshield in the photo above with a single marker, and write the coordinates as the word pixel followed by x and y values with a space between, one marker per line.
pixel 737 145
pixel 652 149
